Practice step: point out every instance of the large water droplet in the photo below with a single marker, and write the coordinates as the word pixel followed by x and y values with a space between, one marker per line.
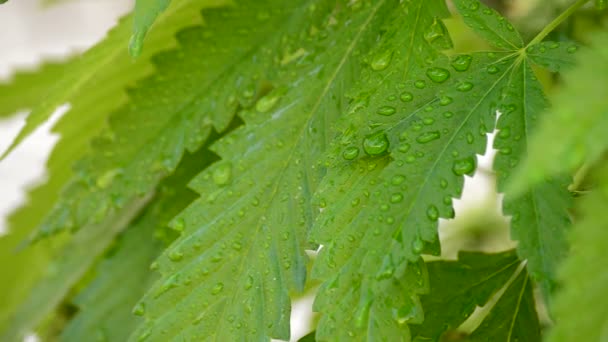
pixel 382 60
pixel 350 153
pixel 438 75
pixel 376 144
pixel 428 137
pixel 222 174
pixel 464 166
pixel 397 179
pixel 462 62
pixel 386 110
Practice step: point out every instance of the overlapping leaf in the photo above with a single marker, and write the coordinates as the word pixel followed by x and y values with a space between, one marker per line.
pixel 106 304
pixel 196 88
pixel 107 64
pixel 401 158
pixel 228 276
pixel 580 307
pixel 145 13
pixel 459 287
pixel 572 134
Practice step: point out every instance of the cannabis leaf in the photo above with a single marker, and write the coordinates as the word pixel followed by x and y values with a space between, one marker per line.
pixel 228 276
pixel 580 310
pixel 105 309
pixel 571 134
pixel 400 159
pixel 145 14
pixel 496 282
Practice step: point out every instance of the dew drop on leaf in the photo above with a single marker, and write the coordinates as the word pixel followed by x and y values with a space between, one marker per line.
pixel 445 100
pixel 248 282
pixel 386 110
pixel 406 96
pixel 432 213
pixel 417 246
pixel 178 225
pixel 139 309
pixel 428 137
pixel 420 84
pixel 397 179
pixel 382 60
pixel 462 62
pixel 222 174
pixel 404 147
pixel 492 69
pixel 350 153
pixel 464 86
pixel 376 144
pixel 106 179
pixel 175 255
pixel 396 197
pixel 267 102
pixel 217 288
pixel 464 166
pixel 438 75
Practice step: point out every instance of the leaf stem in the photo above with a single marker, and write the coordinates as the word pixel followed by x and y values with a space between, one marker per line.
pixel 555 23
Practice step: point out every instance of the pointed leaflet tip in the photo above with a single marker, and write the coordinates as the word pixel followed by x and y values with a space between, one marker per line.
pixel 145 13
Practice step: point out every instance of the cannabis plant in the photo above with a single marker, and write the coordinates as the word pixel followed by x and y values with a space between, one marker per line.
pixel 245 152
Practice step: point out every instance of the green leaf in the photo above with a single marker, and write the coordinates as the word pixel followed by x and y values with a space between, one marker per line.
pixel 224 63
pixel 513 318
pixel 400 158
pixel 106 304
pixel 571 134
pixel 554 56
pixel 580 306
pixel 458 287
pixel 228 276
pixel 61 272
pixel 27 87
pixel 109 64
pixel 145 13
pixel 489 24
pixel 496 285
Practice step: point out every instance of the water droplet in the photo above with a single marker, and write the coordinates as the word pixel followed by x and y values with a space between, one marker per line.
pixel 464 166
pixel 445 100
pixel 376 144
pixel 139 309
pixel 237 246
pixel 267 102
pixel 436 31
pixel 406 96
pixel 572 49
pixel 470 138
pixel 464 86
pixel 474 5
pixel 504 133
pixel 420 84
pixel 178 225
pixel 248 282
pixel 417 246
pixel 428 137
pixel 382 60
pixel 396 197
pixel 175 255
pixel 432 213
pixel 386 110
pixel 355 202
pixel 397 179
pixel 106 179
pixel 462 62
pixel 443 183
pixel 428 121
pixel 222 174
pixel 404 147
pixel 350 153
pixel 217 288
pixel 448 114
pixel 438 75
pixel 492 69
pixel 505 150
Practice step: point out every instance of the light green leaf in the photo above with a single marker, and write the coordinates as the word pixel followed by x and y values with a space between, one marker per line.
pixel 228 276
pixel 106 304
pixel 145 13
pixel 554 56
pixel 109 64
pixel 580 306
pixel 169 113
pixel 489 24
pixel 571 133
